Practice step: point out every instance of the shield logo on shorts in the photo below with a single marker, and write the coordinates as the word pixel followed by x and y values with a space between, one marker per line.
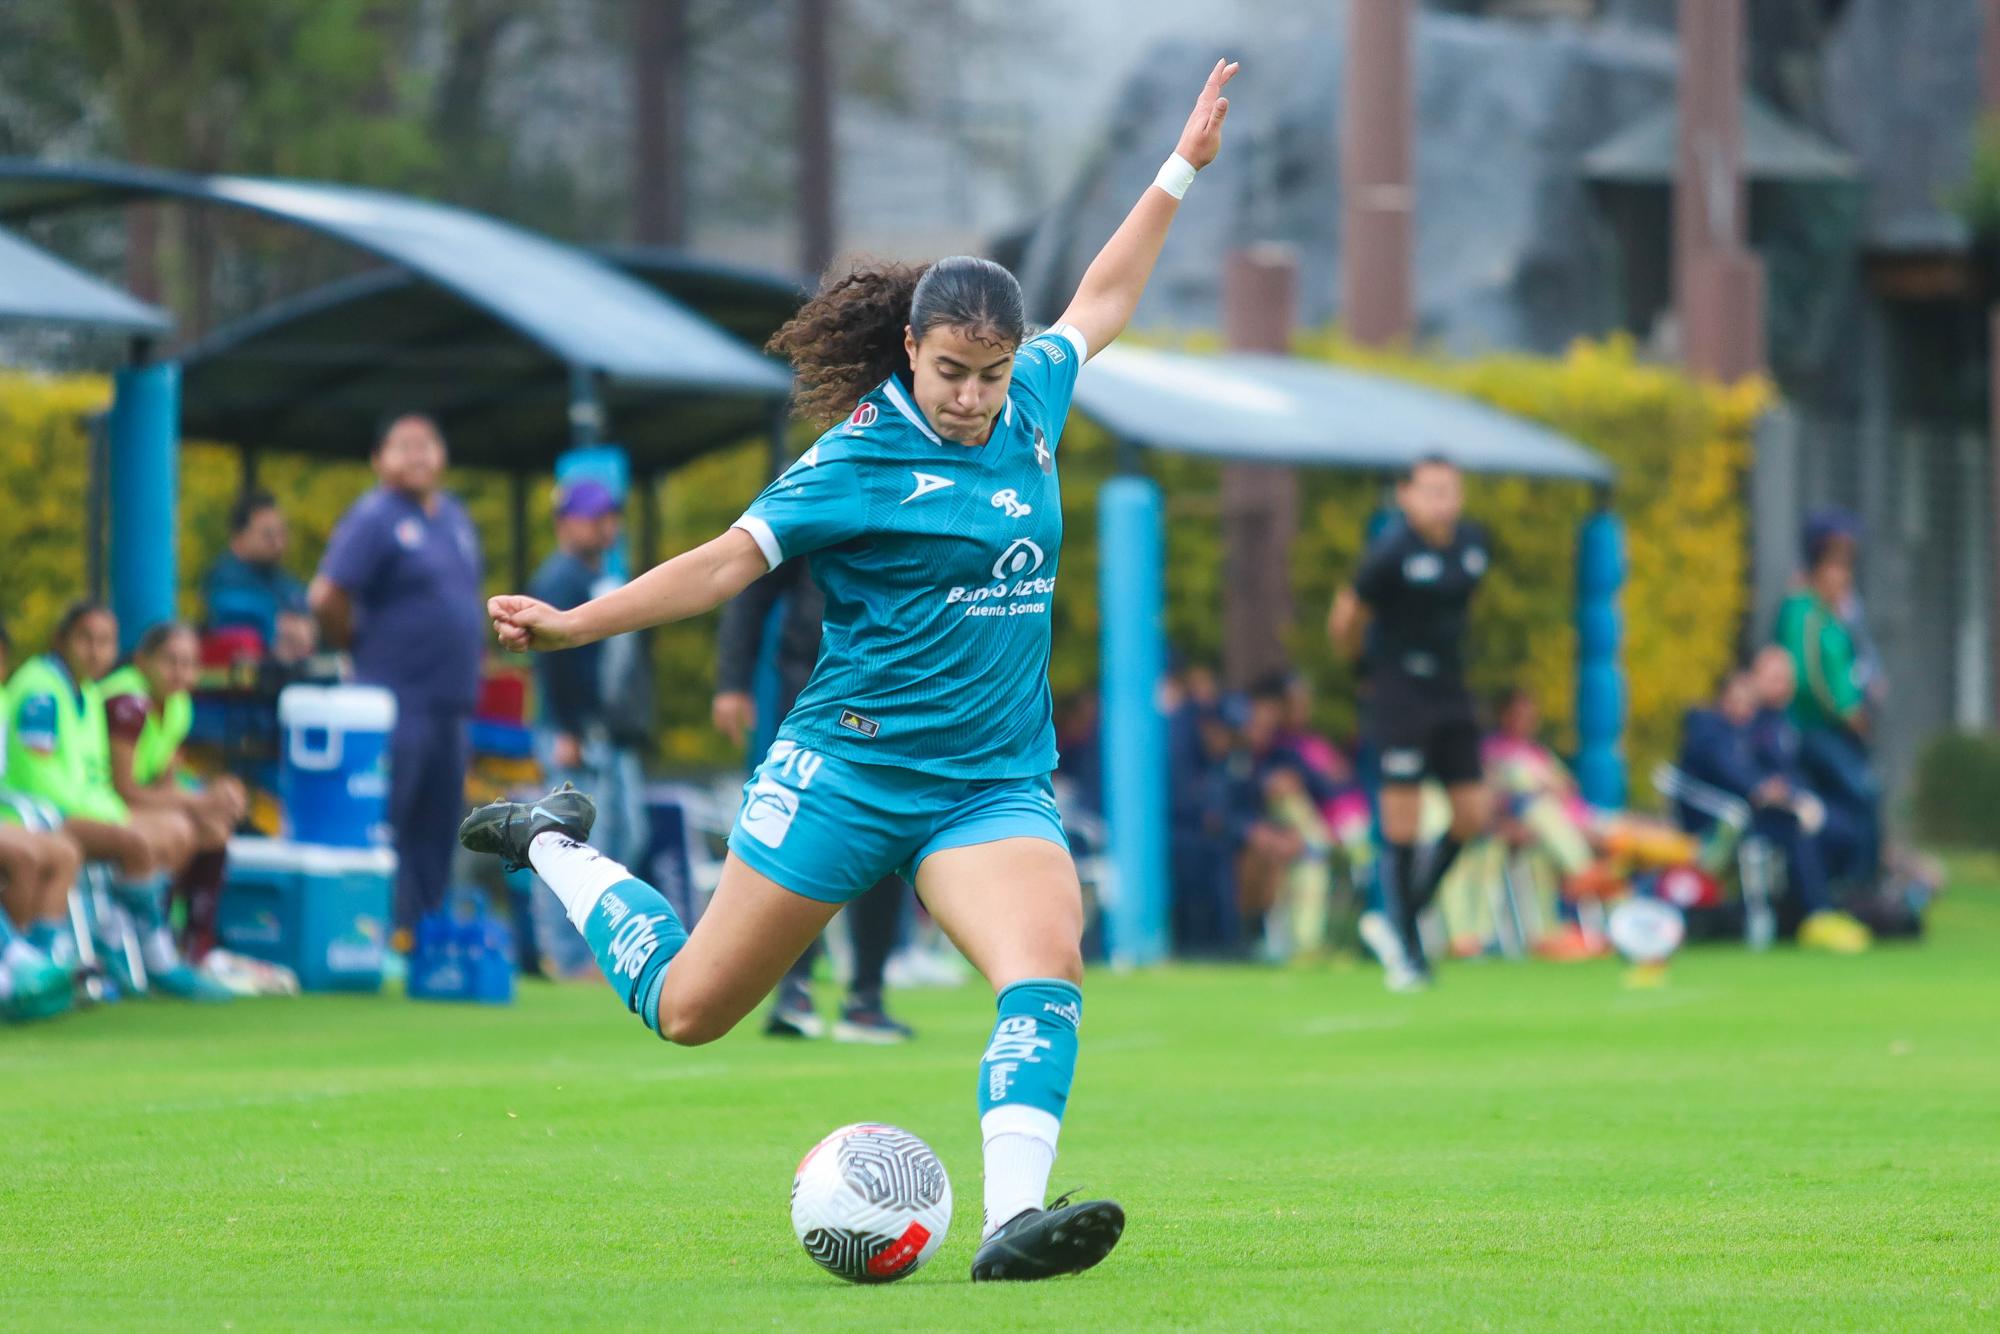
pixel 768 812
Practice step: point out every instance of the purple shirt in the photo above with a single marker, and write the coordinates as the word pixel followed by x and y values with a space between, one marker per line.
pixel 419 621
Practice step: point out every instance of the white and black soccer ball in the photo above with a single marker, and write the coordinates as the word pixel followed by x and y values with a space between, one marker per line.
pixel 871 1203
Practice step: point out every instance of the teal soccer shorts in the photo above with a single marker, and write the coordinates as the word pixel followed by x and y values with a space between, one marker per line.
pixel 829 828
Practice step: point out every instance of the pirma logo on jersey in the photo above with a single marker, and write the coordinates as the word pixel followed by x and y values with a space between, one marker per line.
pixel 926 483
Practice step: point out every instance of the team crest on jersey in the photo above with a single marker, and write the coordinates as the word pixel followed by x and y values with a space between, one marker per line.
pixel 1045 457
pixel 854 722
pixel 1423 567
pixel 864 416
pixel 1010 501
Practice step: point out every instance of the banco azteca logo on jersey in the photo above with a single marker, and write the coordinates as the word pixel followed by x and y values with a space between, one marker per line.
pixel 864 416
pixel 1022 556
pixel 1017 588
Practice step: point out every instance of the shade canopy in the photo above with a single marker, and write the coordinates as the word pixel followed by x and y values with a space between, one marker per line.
pixel 493 329
pixel 1246 408
pixel 36 287
pixel 1774 149
pixel 314 374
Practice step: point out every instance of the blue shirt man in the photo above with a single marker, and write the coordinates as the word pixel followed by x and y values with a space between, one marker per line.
pixel 400 585
pixel 247 585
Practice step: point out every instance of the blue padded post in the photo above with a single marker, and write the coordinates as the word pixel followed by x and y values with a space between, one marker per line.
pixel 1131 555
pixel 144 486
pixel 1600 672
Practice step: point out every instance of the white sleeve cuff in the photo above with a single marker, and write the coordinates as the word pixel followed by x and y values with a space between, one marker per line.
pixel 766 540
pixel 1072 335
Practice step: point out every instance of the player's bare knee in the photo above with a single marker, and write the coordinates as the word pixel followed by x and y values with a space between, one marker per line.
pixel 65 861
pixel 693 1025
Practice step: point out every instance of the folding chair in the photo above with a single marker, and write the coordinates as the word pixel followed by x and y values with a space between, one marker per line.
pixel 93 914
pixel 1757 866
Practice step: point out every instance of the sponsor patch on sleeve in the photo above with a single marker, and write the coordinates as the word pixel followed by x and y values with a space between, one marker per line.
pixel 35 722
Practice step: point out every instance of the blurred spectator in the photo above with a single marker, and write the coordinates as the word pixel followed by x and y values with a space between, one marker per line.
pixel 37 871
pixel 400 584
pixel 149 711
pixel 1739 749
pixel 1202 873
pixel 875 919
pixel 1283 844
pixel 1080 748
pixel 248 585
pixel 1816 626
pixel 59 749
pixel 581 737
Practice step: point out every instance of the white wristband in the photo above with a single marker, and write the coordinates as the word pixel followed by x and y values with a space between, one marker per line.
pixel 1176 175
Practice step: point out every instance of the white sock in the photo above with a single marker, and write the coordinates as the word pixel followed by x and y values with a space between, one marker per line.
pixel 18 951
pixel 576 873
pixel 157 949
pixel 1020 1154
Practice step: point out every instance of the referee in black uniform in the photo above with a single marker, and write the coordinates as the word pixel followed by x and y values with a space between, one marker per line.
pixel 1409 604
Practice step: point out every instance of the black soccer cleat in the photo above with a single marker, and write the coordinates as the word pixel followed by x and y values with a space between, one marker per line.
pixel 506 828
pixel 1062 1239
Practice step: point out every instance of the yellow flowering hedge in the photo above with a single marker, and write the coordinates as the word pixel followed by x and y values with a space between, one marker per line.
pixel 1680 447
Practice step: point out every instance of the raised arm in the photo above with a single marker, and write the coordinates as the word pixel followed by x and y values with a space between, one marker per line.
pixel 1111 286
pixel 688 585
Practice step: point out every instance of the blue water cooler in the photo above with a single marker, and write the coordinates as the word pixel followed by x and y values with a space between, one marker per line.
pixel 322 912
pixel 333 775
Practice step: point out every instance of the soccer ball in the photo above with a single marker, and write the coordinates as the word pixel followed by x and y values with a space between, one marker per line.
pixel 871 1203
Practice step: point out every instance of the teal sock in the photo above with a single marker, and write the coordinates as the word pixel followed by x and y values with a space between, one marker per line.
pixel 632 930
pixel 1024 1081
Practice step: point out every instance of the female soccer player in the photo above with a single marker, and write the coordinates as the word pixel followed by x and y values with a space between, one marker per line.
pixel 924 740
pixel 149 713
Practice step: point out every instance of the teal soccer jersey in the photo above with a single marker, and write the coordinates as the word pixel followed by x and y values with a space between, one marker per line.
pixel 938 562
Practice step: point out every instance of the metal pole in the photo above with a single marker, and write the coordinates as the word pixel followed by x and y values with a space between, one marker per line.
pixel 815 134
pixel 660 68
pixel 586 407
pixel 97 501
pixel 1377 175
pixel 1989 88
pixel 517 513
pixel 1718 282
pixel 1260 501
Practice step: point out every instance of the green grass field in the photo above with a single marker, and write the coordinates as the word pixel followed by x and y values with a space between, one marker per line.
pixel 1774 1142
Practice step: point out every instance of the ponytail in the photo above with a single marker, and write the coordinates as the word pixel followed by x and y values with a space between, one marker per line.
pixel 849 337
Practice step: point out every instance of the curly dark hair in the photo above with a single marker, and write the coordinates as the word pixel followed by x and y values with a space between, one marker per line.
pixel 848 337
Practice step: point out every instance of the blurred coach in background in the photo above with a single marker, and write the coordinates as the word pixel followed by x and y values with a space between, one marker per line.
pixel 400 586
